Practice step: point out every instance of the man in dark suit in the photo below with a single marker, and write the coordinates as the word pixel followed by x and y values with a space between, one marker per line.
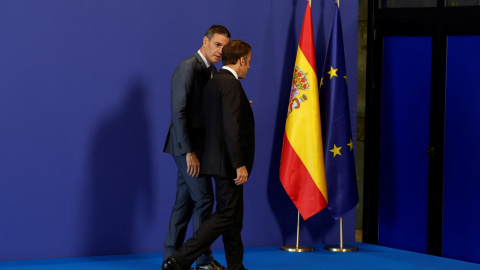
pixel 186 140
pixel 228 157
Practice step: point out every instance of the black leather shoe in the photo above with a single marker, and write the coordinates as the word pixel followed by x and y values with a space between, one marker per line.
pixel 211 266
pixel 171 264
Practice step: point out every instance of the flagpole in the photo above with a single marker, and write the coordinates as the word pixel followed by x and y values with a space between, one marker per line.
pixel 341 247
pixel 297 247
pixel 310 181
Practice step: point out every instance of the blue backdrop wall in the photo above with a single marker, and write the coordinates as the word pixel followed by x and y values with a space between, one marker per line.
pixel 84 110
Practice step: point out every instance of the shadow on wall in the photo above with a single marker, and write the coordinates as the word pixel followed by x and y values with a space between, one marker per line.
pixel 283 208
pixel 121 178
pixel 281 205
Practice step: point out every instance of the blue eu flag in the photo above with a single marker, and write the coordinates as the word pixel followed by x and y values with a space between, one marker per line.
pixel 336 126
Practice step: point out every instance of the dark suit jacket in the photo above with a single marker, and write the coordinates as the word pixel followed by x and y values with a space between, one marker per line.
pixel 230 127
pixel 186 132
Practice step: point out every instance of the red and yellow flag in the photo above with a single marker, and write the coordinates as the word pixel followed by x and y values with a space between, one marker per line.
pixel 302 170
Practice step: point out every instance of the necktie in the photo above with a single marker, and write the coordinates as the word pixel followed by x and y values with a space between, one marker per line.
pixel 210 71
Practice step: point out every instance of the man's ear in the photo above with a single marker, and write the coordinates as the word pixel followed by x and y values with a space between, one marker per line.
pixel 205 40
pixel 242 60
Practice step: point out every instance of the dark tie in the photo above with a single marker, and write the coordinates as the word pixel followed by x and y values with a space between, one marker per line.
pixel 210 71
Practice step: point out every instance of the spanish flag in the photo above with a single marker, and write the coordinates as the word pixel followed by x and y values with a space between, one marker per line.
pixel 302 170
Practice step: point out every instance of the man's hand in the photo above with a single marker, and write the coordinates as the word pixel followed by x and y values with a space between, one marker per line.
pixel 242 176
pixel 193 164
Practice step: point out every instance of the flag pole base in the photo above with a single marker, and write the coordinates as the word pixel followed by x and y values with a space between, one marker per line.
pixel 338 248
pixel 292 248
pixel 297 247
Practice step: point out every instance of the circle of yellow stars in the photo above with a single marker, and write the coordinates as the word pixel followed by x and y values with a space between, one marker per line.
pixel 336 150
pixel 332 72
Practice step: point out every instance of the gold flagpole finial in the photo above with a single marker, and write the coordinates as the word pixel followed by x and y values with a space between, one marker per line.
pixel 310 3
pixel 338 3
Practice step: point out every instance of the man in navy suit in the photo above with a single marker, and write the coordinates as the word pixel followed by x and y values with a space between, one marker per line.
pixel 228 157
pixel 186 140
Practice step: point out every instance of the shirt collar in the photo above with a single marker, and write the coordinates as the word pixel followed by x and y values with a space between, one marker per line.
pixel 204 59
pixel 231 70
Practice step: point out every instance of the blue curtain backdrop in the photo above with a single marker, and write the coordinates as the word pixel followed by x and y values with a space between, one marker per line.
pixel 84 110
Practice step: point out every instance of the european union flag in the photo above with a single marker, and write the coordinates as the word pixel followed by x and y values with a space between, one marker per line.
pixel 337 134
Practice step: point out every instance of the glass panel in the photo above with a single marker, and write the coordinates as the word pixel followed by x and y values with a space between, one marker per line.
pixel 458 3
pixel 408 3
pixel 405 123
pixel 461 162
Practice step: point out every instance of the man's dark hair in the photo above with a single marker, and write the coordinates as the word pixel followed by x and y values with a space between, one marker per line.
pixel 217 29
pixel 234 50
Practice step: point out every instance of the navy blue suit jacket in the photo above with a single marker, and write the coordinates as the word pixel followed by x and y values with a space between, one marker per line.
pixel 186 132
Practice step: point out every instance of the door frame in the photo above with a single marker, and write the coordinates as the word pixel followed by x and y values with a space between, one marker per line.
pixel 439 23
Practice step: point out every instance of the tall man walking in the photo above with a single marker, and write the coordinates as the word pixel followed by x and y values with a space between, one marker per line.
pixel 186 140
pixel 228 157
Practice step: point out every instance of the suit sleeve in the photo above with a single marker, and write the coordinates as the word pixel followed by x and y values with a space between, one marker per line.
pixel 232 123
pixel 182 83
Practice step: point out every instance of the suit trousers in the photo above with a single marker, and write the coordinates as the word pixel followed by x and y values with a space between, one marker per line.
pixel 226 221
pixel 194 195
